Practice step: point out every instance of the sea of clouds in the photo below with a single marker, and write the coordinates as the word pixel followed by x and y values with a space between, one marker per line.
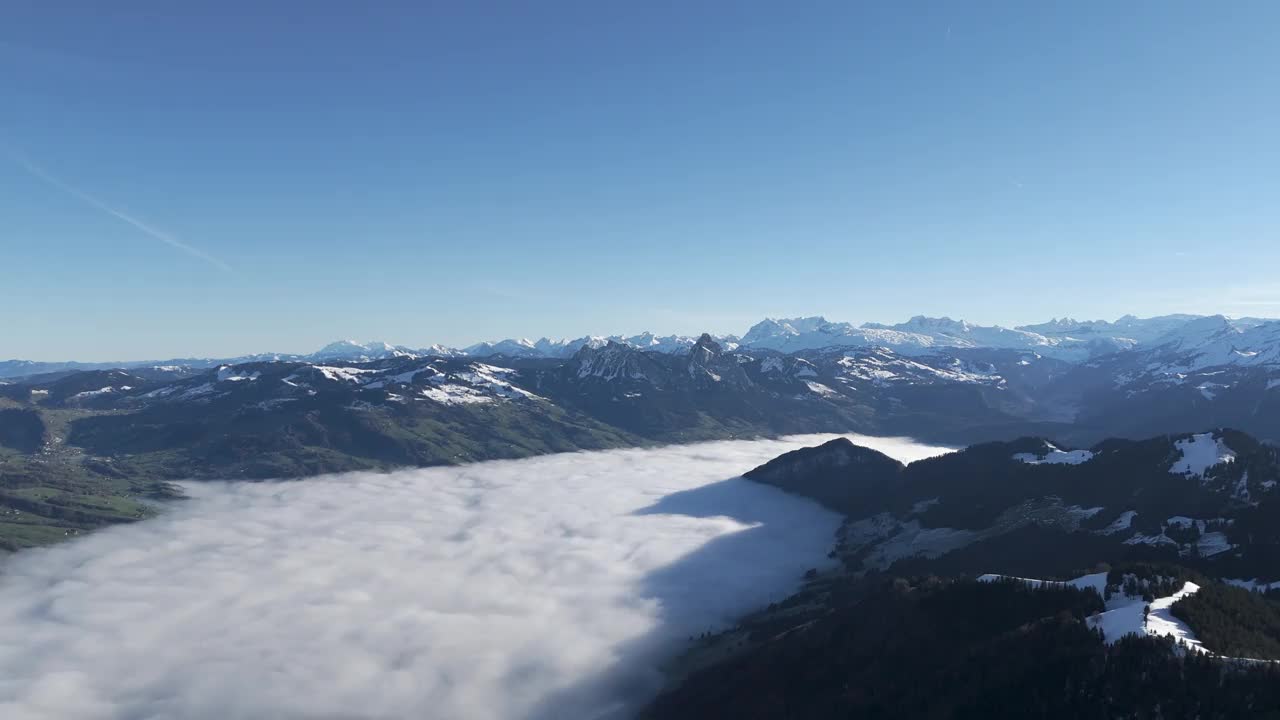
pixel 533 589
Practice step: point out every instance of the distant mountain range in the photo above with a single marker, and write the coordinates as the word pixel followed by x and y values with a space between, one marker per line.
pixel 927 377
pixel 353 351
pixel 353 406
pixel 1216 339
pixel 289 416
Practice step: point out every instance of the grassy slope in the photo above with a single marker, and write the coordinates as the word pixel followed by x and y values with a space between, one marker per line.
pixel 43 500
pixel 57 491
pixel 65 488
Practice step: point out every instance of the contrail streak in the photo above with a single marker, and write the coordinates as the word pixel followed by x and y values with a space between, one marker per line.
pixel 92 201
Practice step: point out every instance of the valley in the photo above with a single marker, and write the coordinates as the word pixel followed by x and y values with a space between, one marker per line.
pixel 1076 459
pixel 100 443
pixel 549 587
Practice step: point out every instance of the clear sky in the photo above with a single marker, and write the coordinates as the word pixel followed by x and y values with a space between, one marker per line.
pixel 220 178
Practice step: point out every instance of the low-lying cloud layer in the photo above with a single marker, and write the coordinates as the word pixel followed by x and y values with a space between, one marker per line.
pixel 542 588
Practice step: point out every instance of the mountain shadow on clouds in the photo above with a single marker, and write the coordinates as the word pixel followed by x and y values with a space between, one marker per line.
pixel 736 498
pixel 757 565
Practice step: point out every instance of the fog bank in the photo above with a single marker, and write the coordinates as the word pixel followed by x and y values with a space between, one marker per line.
pixel 547 587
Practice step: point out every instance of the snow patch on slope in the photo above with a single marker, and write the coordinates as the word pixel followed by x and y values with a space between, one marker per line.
pixel 1121 523
pixel 342 374
pixel 820 389
pixel 1124 616
pixel 1213 543
pixel 226 373
pixel 1199 453
pixel 1093 581
pixel 1160 539
pixel 97 393
pixel 447 394
pixel 1054 456
pixel 884 539
pixel 492 379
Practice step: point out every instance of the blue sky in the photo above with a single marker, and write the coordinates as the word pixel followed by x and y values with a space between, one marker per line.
pixel 192 179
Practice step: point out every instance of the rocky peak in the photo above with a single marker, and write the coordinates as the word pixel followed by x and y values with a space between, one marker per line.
pixel 706 347
pixel 942 324
pixel 612 361
pixel 709 363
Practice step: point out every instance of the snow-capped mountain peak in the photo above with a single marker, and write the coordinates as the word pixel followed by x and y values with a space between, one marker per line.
pixel 1126 332
pixel 772 329
pixel 1176 343
pixel 1064 324
pixel 352 350
pixel 943 324
pixel 1198 332
pixel 1216 341
pixel 340 346
pixel 515 348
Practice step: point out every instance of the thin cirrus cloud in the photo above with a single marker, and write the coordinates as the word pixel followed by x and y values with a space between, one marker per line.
pixel 532 589
pixel 94 202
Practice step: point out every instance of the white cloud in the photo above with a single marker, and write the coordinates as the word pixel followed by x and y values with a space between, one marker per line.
pixel 542 588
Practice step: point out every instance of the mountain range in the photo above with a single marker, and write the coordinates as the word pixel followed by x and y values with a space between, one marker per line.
pixel 1064 339
pixel 125 431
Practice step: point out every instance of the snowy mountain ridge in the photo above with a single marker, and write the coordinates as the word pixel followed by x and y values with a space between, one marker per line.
pixel 1064 339
pixel 564 348
pixel 1174 343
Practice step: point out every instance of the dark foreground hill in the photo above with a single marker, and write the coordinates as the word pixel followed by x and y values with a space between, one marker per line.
pixel 1208 499
pixel 931 648
pixel 902 630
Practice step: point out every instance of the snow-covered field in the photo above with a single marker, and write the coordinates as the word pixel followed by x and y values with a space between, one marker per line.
pixel 1055 456
pixel 1123 615
pixel 533 589
pixel 1095 581
pixel 1199 453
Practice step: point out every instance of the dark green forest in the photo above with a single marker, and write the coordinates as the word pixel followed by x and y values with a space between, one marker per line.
pixel 1232 621
pixel 930 648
